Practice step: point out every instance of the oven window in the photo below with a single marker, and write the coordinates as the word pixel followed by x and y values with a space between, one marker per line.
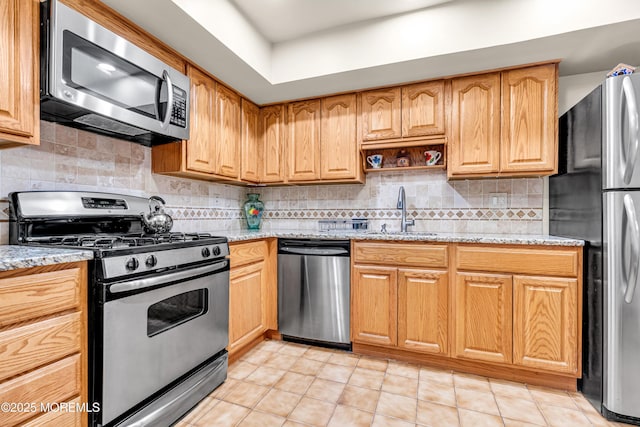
pixel 176 310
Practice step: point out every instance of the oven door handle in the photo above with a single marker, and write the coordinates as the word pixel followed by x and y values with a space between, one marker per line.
pixel 134 285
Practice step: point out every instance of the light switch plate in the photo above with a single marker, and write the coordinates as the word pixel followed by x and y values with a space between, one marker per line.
pixel 498 200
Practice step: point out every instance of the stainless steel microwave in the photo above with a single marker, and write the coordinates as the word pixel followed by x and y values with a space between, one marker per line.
pixel 93 79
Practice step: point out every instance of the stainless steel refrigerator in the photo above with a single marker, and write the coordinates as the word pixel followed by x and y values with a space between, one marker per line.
pixel 596 197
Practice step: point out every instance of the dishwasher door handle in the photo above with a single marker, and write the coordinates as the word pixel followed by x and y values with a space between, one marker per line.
pixel 312 251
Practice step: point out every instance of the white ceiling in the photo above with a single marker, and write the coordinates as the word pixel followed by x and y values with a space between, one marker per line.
pixel 274 50
pixel 282 20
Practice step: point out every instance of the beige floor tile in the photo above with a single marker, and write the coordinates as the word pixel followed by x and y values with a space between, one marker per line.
pixel 563 417
pixel 361 398
pixel 396 406
pixel 344 359
pixel 224 388
pixel 520 409
pixel 306 366
pixel 367 378
pixel 201 408
pixel 403 369
pixel 436 375
pixel 400 385
pixel 319 354
pixel 281 361
pixel 336 372
pixel 257 356
pixel 382 421
pixel 476 401
pixel 293 349
pixel 515 423
pixel 266 376
pixel 352 417
pixel 582 403
pixel 271 345
pixel 325 390
pixel 552 397
pixel 222 415
pixel 478 419
pixel 437 392
pixel 182 424
pixel 295 383
pixel 596 419
pixel 279 402
pixel 246 394
pixel 313 412
pixel 509 388
pixel 471 382
pixel 290 423
pixel 435 415
pixel 241 370
pixel 261 419
pixel 373 364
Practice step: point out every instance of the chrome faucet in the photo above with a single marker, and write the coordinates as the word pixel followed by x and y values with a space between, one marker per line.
pixel 402 204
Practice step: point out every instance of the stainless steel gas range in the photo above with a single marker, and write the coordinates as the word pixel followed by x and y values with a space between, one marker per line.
pixel 158 303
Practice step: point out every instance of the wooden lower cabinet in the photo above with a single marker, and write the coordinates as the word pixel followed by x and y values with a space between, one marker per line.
pixel 483 317
pixel 374 301
pixel 252 293
pixel 422 310
pixel 43 343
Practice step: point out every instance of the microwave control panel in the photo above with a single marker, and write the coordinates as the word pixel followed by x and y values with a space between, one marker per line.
pixel 179 110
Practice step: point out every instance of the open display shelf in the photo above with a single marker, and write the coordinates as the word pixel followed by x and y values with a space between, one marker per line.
pixel 415 152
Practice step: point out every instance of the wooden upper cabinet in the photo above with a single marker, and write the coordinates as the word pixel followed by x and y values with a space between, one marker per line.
pixel 529 120
pixel 474 146
pixel 483 322
pixel 200 148
pixel 545 323
pixel 374 304
pixel 339 147
pixel 251 147
pixel 227 125
pixel 422 310
pixel 19 71
pixel 423 109
pixel 272 128
pixel 381 114
pixel 303 142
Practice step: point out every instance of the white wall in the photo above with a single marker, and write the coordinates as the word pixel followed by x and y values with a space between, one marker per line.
pixel 572 89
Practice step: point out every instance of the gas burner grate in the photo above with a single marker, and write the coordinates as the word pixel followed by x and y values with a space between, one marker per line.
pixel 116 242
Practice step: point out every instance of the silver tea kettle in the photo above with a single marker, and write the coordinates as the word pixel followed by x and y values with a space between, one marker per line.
pixel 156 220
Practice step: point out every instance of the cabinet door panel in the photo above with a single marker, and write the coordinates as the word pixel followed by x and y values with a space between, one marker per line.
pixel 249 154
pixel 422 310
pixel 529 118
pixel 374 305
pixel 483 317
pixel 545 323
pixel 246 313
pixel 201 143
pixel 339 148
pixel 423 109
pixel 272 127
pixel 475 125
pixel 304 140
pixel 381 113
pixel 227 132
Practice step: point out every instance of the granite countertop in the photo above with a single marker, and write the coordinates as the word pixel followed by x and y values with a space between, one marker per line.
pixel 508 239
pixel 14 256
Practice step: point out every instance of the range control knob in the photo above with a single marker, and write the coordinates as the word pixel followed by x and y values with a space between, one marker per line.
pixel 132 264
pixel 206 252
pixel 151 261
pixel 216 250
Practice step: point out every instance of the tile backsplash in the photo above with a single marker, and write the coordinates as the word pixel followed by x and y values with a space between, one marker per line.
pixel 70 159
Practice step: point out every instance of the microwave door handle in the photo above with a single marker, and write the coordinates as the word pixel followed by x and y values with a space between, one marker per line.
pixel 632 220
pixel 167 114
pixel 631 154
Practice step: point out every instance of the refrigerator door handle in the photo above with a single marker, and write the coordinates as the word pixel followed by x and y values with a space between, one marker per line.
pixel 628 93
pixel 632 220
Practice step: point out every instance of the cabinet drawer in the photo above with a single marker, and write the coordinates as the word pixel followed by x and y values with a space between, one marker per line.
pixel 550 262
pixel 27 347
pixel 406 254
pixel 34 295
pixel 247 253
pixel 57 382
pixel 60 418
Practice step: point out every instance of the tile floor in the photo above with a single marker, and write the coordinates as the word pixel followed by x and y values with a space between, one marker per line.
pixel 286 384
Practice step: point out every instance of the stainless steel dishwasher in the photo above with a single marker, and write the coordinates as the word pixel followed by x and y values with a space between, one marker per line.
pixel 313 291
